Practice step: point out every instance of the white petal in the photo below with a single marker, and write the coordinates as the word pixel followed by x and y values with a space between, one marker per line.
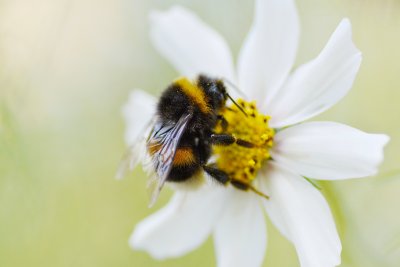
pixel 319 84
pixel 137 113
pixel 190 45
pixel 270 48
pixel 329 150
pixel 302 215
pixel 181 226
pixel 240 235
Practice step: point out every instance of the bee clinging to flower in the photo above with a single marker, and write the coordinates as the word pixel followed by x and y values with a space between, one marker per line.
pixel 191 122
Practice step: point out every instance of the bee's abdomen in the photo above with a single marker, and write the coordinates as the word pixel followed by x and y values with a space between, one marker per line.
pixel 184 156
pixel 184 166
pixel 183 173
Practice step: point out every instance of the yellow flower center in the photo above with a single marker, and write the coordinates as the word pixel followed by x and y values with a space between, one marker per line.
pixel 240 162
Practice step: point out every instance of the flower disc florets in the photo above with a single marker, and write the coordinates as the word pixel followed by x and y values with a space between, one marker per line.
pixel 240 162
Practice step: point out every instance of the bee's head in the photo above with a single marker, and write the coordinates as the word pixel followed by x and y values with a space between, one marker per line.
pixel 214 90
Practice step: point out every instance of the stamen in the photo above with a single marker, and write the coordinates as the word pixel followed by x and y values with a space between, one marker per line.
pixel 243 162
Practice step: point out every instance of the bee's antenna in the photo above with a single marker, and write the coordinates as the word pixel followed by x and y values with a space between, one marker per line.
pixel 234 86
pixel 236 104
pixel 237 90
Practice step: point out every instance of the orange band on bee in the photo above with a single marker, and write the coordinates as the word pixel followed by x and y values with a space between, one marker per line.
pixel 194 93
pixel 184 156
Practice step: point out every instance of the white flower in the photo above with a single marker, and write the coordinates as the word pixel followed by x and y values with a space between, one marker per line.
pixel 324 150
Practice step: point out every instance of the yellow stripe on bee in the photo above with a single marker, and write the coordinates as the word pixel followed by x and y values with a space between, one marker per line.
pixel 184 156
pixel 194 93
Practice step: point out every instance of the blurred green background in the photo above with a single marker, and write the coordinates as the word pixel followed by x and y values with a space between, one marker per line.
pixel 67 67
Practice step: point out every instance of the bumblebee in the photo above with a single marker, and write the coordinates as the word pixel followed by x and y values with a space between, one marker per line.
pixel 182 136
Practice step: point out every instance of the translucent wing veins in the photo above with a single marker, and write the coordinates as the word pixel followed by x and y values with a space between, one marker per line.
pixel 167 136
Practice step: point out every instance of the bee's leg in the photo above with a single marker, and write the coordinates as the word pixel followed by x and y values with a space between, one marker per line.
pixel 228 139
pixel 223 178
pixel 224 122
pixel 246 186
pixel 220 176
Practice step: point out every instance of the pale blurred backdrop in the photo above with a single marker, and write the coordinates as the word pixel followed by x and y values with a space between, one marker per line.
pixel 67 67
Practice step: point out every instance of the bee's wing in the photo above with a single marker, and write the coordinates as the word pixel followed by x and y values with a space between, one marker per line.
pixel 135 153
pixel 166 138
